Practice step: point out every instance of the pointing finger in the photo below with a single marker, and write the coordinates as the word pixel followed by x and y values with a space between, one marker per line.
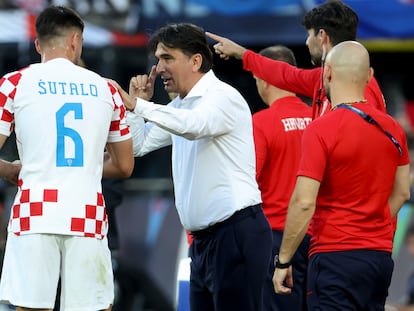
pixel 152 73
pixel 214 36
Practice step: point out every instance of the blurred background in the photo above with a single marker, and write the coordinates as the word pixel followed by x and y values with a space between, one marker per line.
pixel 146 237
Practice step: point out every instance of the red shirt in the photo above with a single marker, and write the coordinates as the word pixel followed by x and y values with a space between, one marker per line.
pixel 356 164
pixel 306 82
pixel 277 134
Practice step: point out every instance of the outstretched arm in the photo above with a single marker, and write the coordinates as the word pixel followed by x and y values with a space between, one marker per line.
pixel 226 48
pixel 277 73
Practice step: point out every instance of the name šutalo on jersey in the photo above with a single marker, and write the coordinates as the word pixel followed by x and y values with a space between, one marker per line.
pixel 67 88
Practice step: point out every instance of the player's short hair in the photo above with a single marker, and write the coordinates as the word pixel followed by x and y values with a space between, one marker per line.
pixel 55 20
pixel 338 20
pixel 188 38
pixel 281 53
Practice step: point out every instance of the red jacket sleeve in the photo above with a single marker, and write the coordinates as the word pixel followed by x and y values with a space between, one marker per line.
pixel 282 75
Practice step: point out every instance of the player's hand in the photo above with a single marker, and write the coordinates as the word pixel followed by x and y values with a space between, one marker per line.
pixel 279 277
pixel 226 48
pixel 11 171
pixel 142 86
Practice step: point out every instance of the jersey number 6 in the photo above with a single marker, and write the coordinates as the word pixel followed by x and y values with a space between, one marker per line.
pixel 64 132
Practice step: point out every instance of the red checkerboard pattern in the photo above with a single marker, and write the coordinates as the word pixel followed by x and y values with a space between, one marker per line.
pixel 95 222
pixel 116 125
pixel 8 86
pixel 25 210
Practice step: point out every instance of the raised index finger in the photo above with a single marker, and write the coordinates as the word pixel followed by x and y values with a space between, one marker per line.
pixel 152 73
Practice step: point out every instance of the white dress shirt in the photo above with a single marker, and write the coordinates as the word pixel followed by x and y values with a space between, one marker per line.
pixel 213 157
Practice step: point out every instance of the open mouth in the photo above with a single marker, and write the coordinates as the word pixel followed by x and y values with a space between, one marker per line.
pixel 166 81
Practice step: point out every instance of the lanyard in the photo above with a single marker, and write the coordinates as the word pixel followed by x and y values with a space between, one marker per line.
pixel 369 119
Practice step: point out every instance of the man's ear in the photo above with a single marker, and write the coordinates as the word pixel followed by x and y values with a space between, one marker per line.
pixel 327 72
pixel 37 46
pixel 370 73
pixel 197 60
pixel 74 40
pixel 324 38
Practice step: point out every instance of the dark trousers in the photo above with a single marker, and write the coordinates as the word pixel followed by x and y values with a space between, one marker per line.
pixel 296 301
pixel 349 280
pixel 229 263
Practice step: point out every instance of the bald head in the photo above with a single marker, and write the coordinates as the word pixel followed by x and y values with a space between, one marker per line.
pixel 350 61
pixel 347 69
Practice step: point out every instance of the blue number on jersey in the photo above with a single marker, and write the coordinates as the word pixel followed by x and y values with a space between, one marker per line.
pixel 63 132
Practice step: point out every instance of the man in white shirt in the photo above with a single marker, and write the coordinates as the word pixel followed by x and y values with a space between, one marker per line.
pixel 63 116
pixel 209 126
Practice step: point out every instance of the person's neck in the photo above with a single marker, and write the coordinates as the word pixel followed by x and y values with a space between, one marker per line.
pixel 347 98
pixel 191 81
pixel 276 95
pixel 53 53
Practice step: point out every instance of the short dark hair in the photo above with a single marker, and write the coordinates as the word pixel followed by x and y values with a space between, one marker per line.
pixel 188 38
pixel 54 20
pixel 279 52
pixel 338 20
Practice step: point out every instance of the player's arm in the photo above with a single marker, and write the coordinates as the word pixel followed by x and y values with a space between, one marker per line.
pixel 282 74
pixel 145 136
pixel 119 160
pixel 9 170
pixel 401 189
pixel 277 73
pixel 119 157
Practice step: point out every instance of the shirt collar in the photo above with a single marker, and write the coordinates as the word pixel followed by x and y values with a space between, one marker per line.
pixel 201 87
pixel 59 60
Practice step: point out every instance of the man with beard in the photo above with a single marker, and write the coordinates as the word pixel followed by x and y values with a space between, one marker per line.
pixel 327 25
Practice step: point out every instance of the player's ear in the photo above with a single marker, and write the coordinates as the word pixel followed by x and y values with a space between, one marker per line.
pixel 370 73
pixel 37 46
pixel 74 39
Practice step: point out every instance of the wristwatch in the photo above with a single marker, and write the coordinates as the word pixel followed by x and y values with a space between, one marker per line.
pixel 280 265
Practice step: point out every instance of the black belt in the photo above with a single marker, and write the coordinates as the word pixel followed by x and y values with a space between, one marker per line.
pixel 236 217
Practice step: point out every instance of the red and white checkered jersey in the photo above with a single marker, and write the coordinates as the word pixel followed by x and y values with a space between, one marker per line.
pixel 63 116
